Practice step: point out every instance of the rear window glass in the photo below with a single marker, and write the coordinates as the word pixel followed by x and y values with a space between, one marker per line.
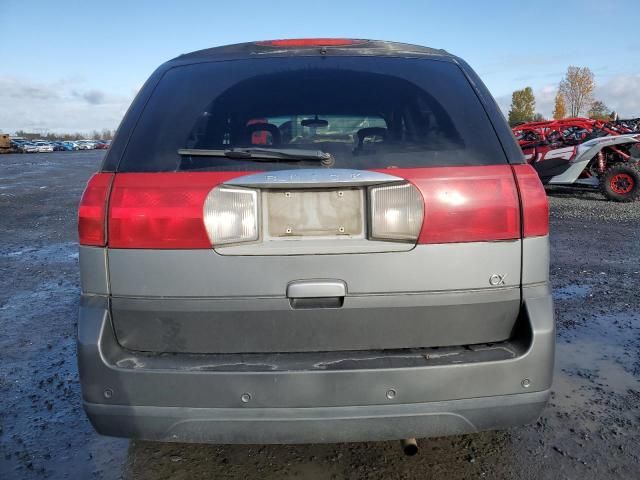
pixel 362 112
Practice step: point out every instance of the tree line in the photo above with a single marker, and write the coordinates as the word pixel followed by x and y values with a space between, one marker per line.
pixel 104 134
pixel 574 98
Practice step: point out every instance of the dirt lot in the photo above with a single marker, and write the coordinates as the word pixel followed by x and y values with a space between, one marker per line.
pixel 590 430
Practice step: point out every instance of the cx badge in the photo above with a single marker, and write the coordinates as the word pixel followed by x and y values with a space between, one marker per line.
pixel 496 279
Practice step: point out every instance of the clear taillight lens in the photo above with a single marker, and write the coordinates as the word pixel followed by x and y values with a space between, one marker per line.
pixel 231 215
pixel 397 212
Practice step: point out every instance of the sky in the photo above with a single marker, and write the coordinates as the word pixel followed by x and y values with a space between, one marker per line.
pixel 75 66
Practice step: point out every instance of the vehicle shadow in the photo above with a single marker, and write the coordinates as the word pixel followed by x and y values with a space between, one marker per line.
pixel 582 193
pixel 465 456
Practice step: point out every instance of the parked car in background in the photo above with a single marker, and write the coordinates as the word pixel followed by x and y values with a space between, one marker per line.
pixel 22 145
pixel 27 147
pixel 401 237
pixel 86 144
pixel 17 145
pixel 67 146
pixel 44 147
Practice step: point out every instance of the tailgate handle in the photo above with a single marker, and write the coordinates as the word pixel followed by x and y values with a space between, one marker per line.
pixel 316 289
pixel 305 294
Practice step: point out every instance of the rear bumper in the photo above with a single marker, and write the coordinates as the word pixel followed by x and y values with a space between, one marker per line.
pixel 196 398
pixel 316 425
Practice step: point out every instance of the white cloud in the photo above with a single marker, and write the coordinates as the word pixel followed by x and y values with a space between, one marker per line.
pixel 545 100
pixel 13 88
pixel 65 105
pixel 622 94
pixel 92 97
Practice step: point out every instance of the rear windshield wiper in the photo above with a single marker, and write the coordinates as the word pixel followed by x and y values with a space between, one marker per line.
pixel 288 154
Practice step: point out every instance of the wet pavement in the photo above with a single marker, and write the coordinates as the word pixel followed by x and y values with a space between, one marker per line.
pixel 590 430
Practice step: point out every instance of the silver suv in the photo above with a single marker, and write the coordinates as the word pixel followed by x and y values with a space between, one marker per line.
pixel 316 240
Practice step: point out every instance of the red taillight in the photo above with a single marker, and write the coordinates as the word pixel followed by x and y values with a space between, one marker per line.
pixel 91 213
pixel 535 206
pixel 161 210
pixel 466 204
pixel 310 42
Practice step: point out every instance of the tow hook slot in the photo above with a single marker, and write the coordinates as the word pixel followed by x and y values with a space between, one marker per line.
pixel 305 294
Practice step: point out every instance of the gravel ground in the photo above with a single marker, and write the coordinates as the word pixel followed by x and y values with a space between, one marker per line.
pixel 590 430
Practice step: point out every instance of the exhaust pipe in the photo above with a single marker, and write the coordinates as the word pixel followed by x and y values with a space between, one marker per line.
pixel 409 446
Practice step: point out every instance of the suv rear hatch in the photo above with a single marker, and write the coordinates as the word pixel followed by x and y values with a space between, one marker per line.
pixel 312 203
